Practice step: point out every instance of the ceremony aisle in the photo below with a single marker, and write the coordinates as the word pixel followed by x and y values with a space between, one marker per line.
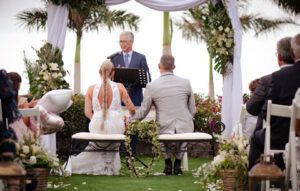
pixel 123 182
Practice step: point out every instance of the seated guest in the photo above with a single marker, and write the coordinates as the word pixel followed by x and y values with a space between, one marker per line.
pixel 20 126
pixel 174 103
pixel 284 85
pixel 103 108
pixel 249 121
pixel 255 103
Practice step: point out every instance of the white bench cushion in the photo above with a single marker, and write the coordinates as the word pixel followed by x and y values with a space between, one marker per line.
pixel 95 136
pixel 184 136
pixel 163 137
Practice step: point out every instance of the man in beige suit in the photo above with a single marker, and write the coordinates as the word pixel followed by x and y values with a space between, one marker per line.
pixel 174 103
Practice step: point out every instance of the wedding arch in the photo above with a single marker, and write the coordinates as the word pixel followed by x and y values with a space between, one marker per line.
pixel 232 84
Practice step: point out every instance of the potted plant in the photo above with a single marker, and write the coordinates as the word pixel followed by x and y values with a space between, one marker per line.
pixel 228 170
pixel 36 160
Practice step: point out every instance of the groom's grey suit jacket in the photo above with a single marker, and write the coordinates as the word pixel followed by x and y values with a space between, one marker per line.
pixel 174 103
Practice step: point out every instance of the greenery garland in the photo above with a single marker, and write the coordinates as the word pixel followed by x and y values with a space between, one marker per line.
pixel 148 132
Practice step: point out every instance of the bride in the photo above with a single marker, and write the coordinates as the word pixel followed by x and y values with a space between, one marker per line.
pixel 103 108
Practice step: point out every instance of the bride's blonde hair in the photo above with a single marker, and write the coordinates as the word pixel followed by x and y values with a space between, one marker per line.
pixel 106 69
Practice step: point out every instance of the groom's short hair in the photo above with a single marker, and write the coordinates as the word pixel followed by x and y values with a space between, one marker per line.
pixel 167 62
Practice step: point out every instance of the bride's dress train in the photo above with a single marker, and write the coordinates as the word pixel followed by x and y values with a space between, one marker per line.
pixel 101 163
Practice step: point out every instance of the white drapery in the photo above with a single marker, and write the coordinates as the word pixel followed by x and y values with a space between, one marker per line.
pixel 57 18
pixel 232 87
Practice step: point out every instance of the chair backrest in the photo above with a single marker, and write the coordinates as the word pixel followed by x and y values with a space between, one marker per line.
pixel 32 112
pixel 239 129
pixel 274 110
pixel 246 124
pixel 291 167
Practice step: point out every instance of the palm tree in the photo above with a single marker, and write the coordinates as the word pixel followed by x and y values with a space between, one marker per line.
pixel 291 5
pixel 195 27
pixel 167 34
pixel 83 16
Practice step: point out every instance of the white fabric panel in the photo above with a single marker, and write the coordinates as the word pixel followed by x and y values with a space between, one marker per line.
pixel 115 2
pixel 171 5
pixel 163 5
pixel 232 87
pixel 57 28
pixel 57 25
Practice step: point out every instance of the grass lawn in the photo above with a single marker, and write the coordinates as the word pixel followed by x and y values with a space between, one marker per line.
pixel 124 182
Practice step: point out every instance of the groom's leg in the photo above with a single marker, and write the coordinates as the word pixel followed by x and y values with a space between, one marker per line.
pixel 134 139
pixel 166 152
pixel 179 152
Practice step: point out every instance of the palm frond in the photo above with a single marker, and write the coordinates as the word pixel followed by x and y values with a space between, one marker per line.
pixel 33 19
pixel 292 5
pixel 263 25
pixel 101 16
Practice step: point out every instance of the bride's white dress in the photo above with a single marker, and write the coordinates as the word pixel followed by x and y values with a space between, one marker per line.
pixel 101 163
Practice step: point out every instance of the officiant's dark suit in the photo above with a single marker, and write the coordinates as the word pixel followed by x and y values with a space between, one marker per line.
pixel 131 59
pixel 284 85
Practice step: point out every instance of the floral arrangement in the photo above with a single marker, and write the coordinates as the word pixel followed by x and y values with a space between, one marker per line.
pixel 148 132
pixel 47 72
pixel 208 113
pixel 246 97
pixel 233 155
pixel 29 154
pixel 221 42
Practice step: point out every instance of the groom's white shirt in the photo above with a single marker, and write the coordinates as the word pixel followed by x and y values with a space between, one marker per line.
pixel 174 103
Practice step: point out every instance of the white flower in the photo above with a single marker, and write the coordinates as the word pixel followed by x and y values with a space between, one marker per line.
pixel 213 32
pixel 32 160
pixel 44 67
pixel 46 77
pixel 25 149
pixel 220 28
pixel 37 78
pixel 59 74
pixel 40 86
pixel 228 44
pixel 54 75
pixel 53 66
pixel 227 29
pixel 55 164
pixel 35 149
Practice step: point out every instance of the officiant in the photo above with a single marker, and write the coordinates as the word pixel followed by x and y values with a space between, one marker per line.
pixel 131 59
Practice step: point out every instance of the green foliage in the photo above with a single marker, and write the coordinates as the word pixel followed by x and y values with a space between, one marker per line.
pixel 75 114
pixel 148 132
pixel 47 72
pixel 208 112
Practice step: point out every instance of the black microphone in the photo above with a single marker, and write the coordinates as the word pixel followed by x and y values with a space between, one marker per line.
pixel 113 55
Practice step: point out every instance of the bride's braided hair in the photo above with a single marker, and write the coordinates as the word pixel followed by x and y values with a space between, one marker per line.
pixel 106 68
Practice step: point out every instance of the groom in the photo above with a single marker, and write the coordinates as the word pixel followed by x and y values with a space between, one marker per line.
pixel 174 103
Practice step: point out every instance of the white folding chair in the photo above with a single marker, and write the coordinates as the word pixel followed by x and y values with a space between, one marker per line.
pixel 33 112
pixel 279 111
pixel 291 166
pixel 239 127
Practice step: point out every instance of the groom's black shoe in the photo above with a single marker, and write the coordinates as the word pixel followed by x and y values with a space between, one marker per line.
pixel 168 167
pixel 177 167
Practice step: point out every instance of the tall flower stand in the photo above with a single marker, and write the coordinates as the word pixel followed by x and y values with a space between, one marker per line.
pixel 229 182
pixel 42 178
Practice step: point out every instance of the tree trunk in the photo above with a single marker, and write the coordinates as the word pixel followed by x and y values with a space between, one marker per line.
pixel 77 77
pixel 211 91
pixel 167 35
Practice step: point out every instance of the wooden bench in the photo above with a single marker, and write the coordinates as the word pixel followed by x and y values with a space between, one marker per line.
pixel 113 138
